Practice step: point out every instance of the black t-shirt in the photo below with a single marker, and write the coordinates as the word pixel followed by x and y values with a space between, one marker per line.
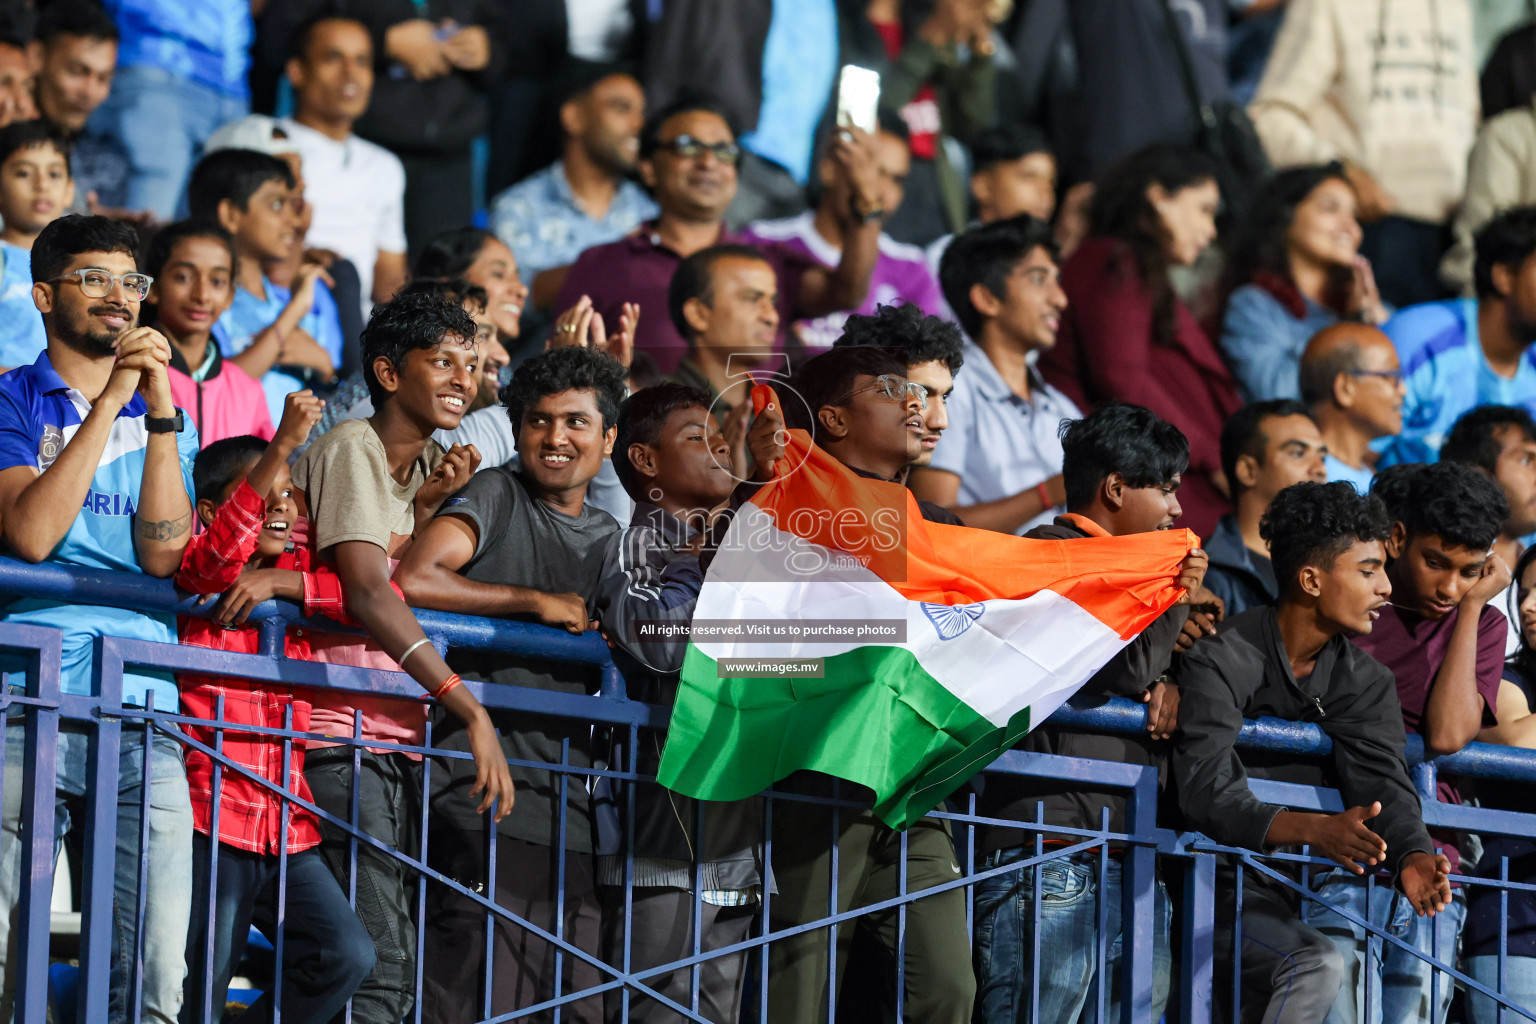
pixel 524 542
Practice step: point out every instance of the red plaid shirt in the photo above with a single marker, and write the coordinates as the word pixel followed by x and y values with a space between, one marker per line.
pixel 250 815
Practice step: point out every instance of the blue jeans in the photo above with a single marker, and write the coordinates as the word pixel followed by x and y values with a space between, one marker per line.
pixel 1069 913
pixel 161 120
pixel 1401 984
pixel 326 950
pixel 1519 986
pixel 168 902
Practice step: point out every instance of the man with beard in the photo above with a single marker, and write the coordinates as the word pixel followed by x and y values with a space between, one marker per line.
pixel 688 158
pixel 96 471
pixel 356 188
pixel 586 197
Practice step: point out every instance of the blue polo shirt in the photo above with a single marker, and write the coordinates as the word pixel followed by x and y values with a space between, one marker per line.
pixel 997 443
pixel 1447 375
pixel 39 414
pixel 21 326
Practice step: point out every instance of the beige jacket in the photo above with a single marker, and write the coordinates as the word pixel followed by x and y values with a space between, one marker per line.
pixel 1501 173
pixel 1388 84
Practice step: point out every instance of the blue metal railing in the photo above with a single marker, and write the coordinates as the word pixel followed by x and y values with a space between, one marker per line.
pixel 1148 849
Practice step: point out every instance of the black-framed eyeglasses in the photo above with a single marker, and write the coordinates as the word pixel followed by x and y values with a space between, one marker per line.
pixel 97 283
pixel 893 387
pixel 1393 377
pixel 690 148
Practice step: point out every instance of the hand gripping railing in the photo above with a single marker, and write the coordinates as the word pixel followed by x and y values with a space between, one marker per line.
pixel 1144 840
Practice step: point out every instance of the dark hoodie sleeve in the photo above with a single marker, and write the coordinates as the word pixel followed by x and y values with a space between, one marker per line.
pixel 1133 671
pixel 1212 783
pixel 1368 737
pixel 634 589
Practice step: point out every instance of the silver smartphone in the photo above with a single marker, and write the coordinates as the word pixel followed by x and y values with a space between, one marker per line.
pixel 858 98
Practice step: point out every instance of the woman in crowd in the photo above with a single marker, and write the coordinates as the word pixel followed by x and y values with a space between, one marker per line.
pixel 1487 913
pixel 1295 269
pixel 480 258
pixel 1127 336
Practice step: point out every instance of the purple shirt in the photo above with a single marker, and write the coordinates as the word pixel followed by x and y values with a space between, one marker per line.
pixel 639 268
pixel 901 274
pixel 1414 649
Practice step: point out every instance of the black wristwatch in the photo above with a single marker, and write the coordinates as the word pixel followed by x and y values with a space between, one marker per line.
pixel 165 424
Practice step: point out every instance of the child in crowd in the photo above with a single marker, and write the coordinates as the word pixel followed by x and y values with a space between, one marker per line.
pixel 1292 661
pixel 1443 639
pixel 193 264
pixel 35 190
pixel 246 551
pixel 278 337
pixel 369 485
pixel 1122 467
pixel 676 464
pixel 524 543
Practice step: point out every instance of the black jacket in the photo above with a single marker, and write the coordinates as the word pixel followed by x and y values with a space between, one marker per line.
pixel 1244 672
pixel 650 575
pixel 1239 577
pixel 1129 674
pixel 439 116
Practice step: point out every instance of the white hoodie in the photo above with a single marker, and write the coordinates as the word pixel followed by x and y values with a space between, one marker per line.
pixel 1390 85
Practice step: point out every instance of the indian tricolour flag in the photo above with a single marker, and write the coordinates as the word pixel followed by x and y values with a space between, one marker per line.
pixel 996 633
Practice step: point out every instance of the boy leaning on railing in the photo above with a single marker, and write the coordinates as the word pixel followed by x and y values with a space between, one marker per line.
pixel 247 552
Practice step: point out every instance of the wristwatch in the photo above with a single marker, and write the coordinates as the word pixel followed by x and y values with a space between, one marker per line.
pixel 165 424
pixel 868 216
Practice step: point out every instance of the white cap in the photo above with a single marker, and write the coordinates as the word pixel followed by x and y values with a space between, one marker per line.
pixel 254 131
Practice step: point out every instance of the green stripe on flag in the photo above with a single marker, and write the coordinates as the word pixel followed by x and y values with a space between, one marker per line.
pixel 874 718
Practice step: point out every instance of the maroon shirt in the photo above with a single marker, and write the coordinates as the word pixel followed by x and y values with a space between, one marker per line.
pixel 639 268
pixel 1414 649
pixel 1106 352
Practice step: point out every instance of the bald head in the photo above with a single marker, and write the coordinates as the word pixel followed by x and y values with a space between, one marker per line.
pixel 1353 368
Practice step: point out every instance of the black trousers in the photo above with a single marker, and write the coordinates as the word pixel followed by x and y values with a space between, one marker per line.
pixel 522 964
pixel 661 932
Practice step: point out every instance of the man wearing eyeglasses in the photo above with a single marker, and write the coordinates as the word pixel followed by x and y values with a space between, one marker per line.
pixel 1352 383
pixel 95 471
pixel 688 159
pixel 862 409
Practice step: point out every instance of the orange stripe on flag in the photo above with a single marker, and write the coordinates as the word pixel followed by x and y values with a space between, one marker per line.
pixel 1124 582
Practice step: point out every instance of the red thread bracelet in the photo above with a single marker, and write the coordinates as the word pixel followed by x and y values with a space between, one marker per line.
pixel 1046 504
pixel 450 684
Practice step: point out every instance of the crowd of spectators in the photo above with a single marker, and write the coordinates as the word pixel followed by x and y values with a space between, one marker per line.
pixel 273 326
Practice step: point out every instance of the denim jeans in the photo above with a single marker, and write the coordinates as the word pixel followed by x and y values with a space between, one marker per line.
pixel 326 950
pixel 1400 983
pixel 1069 911
pixel 389 809
pixel 168 901
pixel 161 119
pixel 1519 986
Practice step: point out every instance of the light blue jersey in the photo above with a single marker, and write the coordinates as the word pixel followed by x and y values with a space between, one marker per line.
pixel 22 336
pixel 248 316
pixel 1447 375
pixel 39 414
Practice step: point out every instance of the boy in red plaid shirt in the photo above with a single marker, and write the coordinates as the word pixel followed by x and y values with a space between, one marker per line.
pixel 247 551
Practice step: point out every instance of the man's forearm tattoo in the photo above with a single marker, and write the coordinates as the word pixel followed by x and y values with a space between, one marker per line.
pixel 165 529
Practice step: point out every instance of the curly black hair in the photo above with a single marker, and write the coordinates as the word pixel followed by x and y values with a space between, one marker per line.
pixel 410 321
pixel 1473 439
pixel 1449 500
pixel 1313 524
pixel 640 420
pixel 567 369
pixel 1131 440
pixel 918 337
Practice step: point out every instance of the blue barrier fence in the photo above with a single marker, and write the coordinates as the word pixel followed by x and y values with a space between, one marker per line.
pixel 1145 855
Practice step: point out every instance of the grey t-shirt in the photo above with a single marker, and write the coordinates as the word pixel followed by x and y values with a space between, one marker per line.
pixel 523 542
